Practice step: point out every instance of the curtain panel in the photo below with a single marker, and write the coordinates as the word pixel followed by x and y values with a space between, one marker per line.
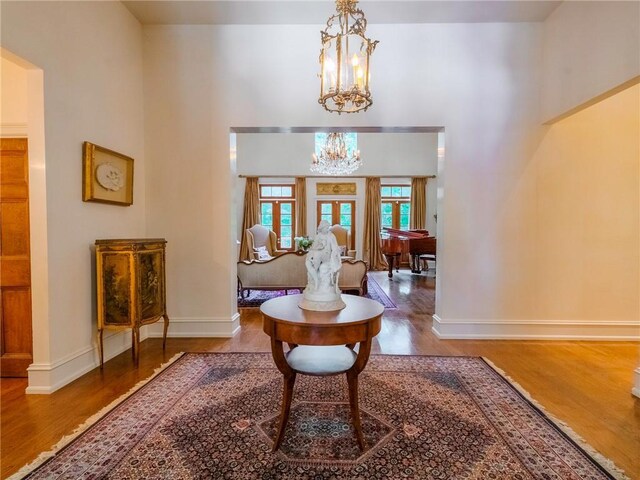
pixel 418 216
pixel 372 243
pixel 251 214
pixel 301 207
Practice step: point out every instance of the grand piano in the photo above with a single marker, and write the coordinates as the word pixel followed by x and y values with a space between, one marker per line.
pixel 395 242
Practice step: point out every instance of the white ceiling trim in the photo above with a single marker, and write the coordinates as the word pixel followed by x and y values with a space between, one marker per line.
pixel 316 12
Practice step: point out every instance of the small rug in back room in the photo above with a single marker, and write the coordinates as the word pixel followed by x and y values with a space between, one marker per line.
pixel 258 297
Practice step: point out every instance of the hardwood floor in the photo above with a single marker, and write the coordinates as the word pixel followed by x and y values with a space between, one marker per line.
pixel 585 384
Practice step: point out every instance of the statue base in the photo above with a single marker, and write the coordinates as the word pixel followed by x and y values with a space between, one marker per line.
pixel 321 303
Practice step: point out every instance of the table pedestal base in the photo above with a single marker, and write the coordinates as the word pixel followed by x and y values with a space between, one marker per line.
pixel 321 344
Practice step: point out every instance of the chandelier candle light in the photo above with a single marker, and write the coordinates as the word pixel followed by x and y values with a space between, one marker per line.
pixel 334 159
pixel 344 60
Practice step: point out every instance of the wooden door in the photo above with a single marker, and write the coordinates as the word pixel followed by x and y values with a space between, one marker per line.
pixel 16 352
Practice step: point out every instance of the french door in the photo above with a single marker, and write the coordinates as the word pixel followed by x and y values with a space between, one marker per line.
pixel 279 216
pixel 341 212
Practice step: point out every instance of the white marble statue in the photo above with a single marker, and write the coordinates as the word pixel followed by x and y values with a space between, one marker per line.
pixel 323 270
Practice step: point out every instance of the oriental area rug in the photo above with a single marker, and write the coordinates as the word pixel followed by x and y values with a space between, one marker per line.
pixel 258 297
pixel 212 415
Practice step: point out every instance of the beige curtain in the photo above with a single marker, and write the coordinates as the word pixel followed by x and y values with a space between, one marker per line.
pixel 251 214
pixel 418 203
pixel 372 253
pixel 301 206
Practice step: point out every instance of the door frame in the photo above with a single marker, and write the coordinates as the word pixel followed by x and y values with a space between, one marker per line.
pixel 41 377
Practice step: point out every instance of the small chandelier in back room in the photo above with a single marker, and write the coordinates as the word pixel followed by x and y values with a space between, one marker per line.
pixel 335 158
pixel 344 60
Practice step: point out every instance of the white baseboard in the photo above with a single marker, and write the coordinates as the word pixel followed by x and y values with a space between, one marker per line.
pixel 480 329
pixel 48 377
pixel 197 327
pixel 636 389
pixel 45 378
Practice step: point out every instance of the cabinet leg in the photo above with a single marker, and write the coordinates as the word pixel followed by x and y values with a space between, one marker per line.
pixel 136 346
pixel 164 334
pixel 101 349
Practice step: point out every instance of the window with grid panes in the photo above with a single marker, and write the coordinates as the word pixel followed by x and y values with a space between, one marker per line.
pixel 277 213
pixel 395 206
pixel 342 212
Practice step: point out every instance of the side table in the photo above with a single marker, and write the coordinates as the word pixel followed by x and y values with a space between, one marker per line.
pixel 307 332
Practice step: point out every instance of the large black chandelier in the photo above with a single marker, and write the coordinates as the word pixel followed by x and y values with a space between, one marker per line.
pixel 344 60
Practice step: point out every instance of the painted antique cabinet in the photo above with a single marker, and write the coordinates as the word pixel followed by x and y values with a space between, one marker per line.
pixel 130 287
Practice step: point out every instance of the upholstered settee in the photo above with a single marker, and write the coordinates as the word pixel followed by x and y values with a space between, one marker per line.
pixel 288 272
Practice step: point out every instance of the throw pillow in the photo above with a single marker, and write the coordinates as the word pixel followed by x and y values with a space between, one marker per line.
pixel 263 254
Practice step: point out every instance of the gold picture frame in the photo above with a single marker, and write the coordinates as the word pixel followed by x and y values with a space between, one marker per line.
pixel 107 176
pixel 335 188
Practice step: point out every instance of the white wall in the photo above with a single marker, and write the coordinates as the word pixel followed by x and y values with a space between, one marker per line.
pixel 14 105
pixel 587 171
pixel 480 81
pixel 382 153
pixel 589 48
pixel 91 56
pixel 288 155
pixel 189 182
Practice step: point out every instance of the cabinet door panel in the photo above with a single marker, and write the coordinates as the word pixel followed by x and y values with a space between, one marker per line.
pixel 16 320
pixel 116 278
pixel 151 278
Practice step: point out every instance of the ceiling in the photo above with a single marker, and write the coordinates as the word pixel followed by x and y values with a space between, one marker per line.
pixel 315 12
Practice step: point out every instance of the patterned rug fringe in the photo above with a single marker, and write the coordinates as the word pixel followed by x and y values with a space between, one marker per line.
pixel 64 441
pixel 604 462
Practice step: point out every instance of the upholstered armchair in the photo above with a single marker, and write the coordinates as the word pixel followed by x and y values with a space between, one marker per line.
pixel 343 236
pixel 260 236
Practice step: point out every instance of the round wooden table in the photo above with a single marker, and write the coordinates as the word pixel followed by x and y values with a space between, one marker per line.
pixel 321 343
